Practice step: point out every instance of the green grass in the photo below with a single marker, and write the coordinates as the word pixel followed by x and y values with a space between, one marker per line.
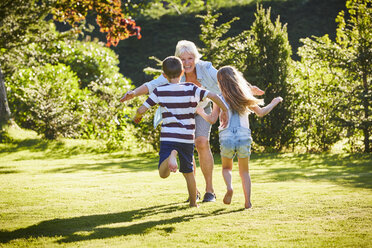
pixel 69 194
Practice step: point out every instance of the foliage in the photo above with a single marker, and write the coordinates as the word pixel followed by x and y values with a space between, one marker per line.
pixel 220 48
pixel 93 107
pixel 110 17
pixel 263 55
pixel 153 71
pixel 268 67
pixel 42 102
pixel 145 131
pixel 161 33
pixel 27 24
pixel 22 22
pixel 157 8
pixel 29 40
pixel 92 63
pixel 351 52
pixel 317 95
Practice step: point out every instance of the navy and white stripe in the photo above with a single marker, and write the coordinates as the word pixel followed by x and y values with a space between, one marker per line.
pixel 178 102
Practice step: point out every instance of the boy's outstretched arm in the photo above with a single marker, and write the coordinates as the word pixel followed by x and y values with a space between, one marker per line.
pixel 142 90
pixel 265 110
pixel 140 111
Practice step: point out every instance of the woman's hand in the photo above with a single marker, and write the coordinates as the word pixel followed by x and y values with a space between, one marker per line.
pixel 257 91
pixel 129 95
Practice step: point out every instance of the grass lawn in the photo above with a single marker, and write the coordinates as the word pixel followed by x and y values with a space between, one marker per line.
pixel 65 194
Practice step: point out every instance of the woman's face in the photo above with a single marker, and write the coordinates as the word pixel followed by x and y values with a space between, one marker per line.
pixel 188 61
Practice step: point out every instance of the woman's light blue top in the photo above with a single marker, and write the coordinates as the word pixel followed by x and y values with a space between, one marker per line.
pixel 206 74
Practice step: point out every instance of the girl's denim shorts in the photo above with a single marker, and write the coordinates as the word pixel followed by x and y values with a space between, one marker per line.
pixel 235 141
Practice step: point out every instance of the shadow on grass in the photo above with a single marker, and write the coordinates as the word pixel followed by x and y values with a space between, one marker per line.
pixel 50 149
pixel 353 170
pixel 141 162
pixel 93 226
pixel 6 170
pixel 42 149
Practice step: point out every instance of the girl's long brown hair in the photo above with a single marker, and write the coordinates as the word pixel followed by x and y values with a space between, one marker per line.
pixel 236 90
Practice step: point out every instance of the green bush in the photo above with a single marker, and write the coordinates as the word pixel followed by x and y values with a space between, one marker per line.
pixel 103 116
pixel 92 62
pixel 77 97
pixel 47 99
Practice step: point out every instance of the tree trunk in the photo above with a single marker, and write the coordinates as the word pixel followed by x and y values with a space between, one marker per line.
pixel 366 128
pixel 4 107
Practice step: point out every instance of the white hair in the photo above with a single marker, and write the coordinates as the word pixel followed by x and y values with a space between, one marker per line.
pixel 185 46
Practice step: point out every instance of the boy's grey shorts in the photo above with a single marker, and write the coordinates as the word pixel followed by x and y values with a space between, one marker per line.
pixel 202 127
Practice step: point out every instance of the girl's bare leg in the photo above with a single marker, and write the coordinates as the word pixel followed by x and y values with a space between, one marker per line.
pixel 246 180
pixel 227 164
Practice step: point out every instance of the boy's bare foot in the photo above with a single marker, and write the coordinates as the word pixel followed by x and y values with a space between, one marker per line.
pixel 248 205
pixel 194 205
pixel 228 196
pixel 172 162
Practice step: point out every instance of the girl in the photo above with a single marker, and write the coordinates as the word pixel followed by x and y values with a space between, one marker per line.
pixel 236 137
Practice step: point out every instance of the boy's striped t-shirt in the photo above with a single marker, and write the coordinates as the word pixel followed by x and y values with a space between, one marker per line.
pixel 178 103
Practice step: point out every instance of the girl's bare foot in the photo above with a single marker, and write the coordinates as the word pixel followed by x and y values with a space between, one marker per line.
pixel 172 162
pixel 194 205
pixel 248 205
pixel 228 196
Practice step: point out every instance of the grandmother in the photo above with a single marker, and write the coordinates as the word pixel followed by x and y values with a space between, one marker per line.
pixel 203 74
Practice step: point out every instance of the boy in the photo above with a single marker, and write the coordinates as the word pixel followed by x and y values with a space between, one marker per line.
pixel 178 101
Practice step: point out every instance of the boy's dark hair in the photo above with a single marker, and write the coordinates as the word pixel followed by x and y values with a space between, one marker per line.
pixel 172 67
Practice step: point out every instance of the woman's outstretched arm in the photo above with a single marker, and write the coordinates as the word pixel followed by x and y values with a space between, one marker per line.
pixel 142 90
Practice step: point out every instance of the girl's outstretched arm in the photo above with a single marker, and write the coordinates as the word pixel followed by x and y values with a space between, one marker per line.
pixel 256 91
pixel 265 110
pixel 224 118
pixel 212 117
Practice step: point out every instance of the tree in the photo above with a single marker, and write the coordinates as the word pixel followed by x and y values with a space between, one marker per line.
pixel 263 55
pixel 220 48
pixel 4 108
pixel 110 17
pixel 268 63
pixel 24 22
pixel 352 53
pixel 316 95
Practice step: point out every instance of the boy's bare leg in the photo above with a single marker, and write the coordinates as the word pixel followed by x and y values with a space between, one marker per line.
pixel 227 164
pixel 168 165
pixel 246 180
pixel 191 187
